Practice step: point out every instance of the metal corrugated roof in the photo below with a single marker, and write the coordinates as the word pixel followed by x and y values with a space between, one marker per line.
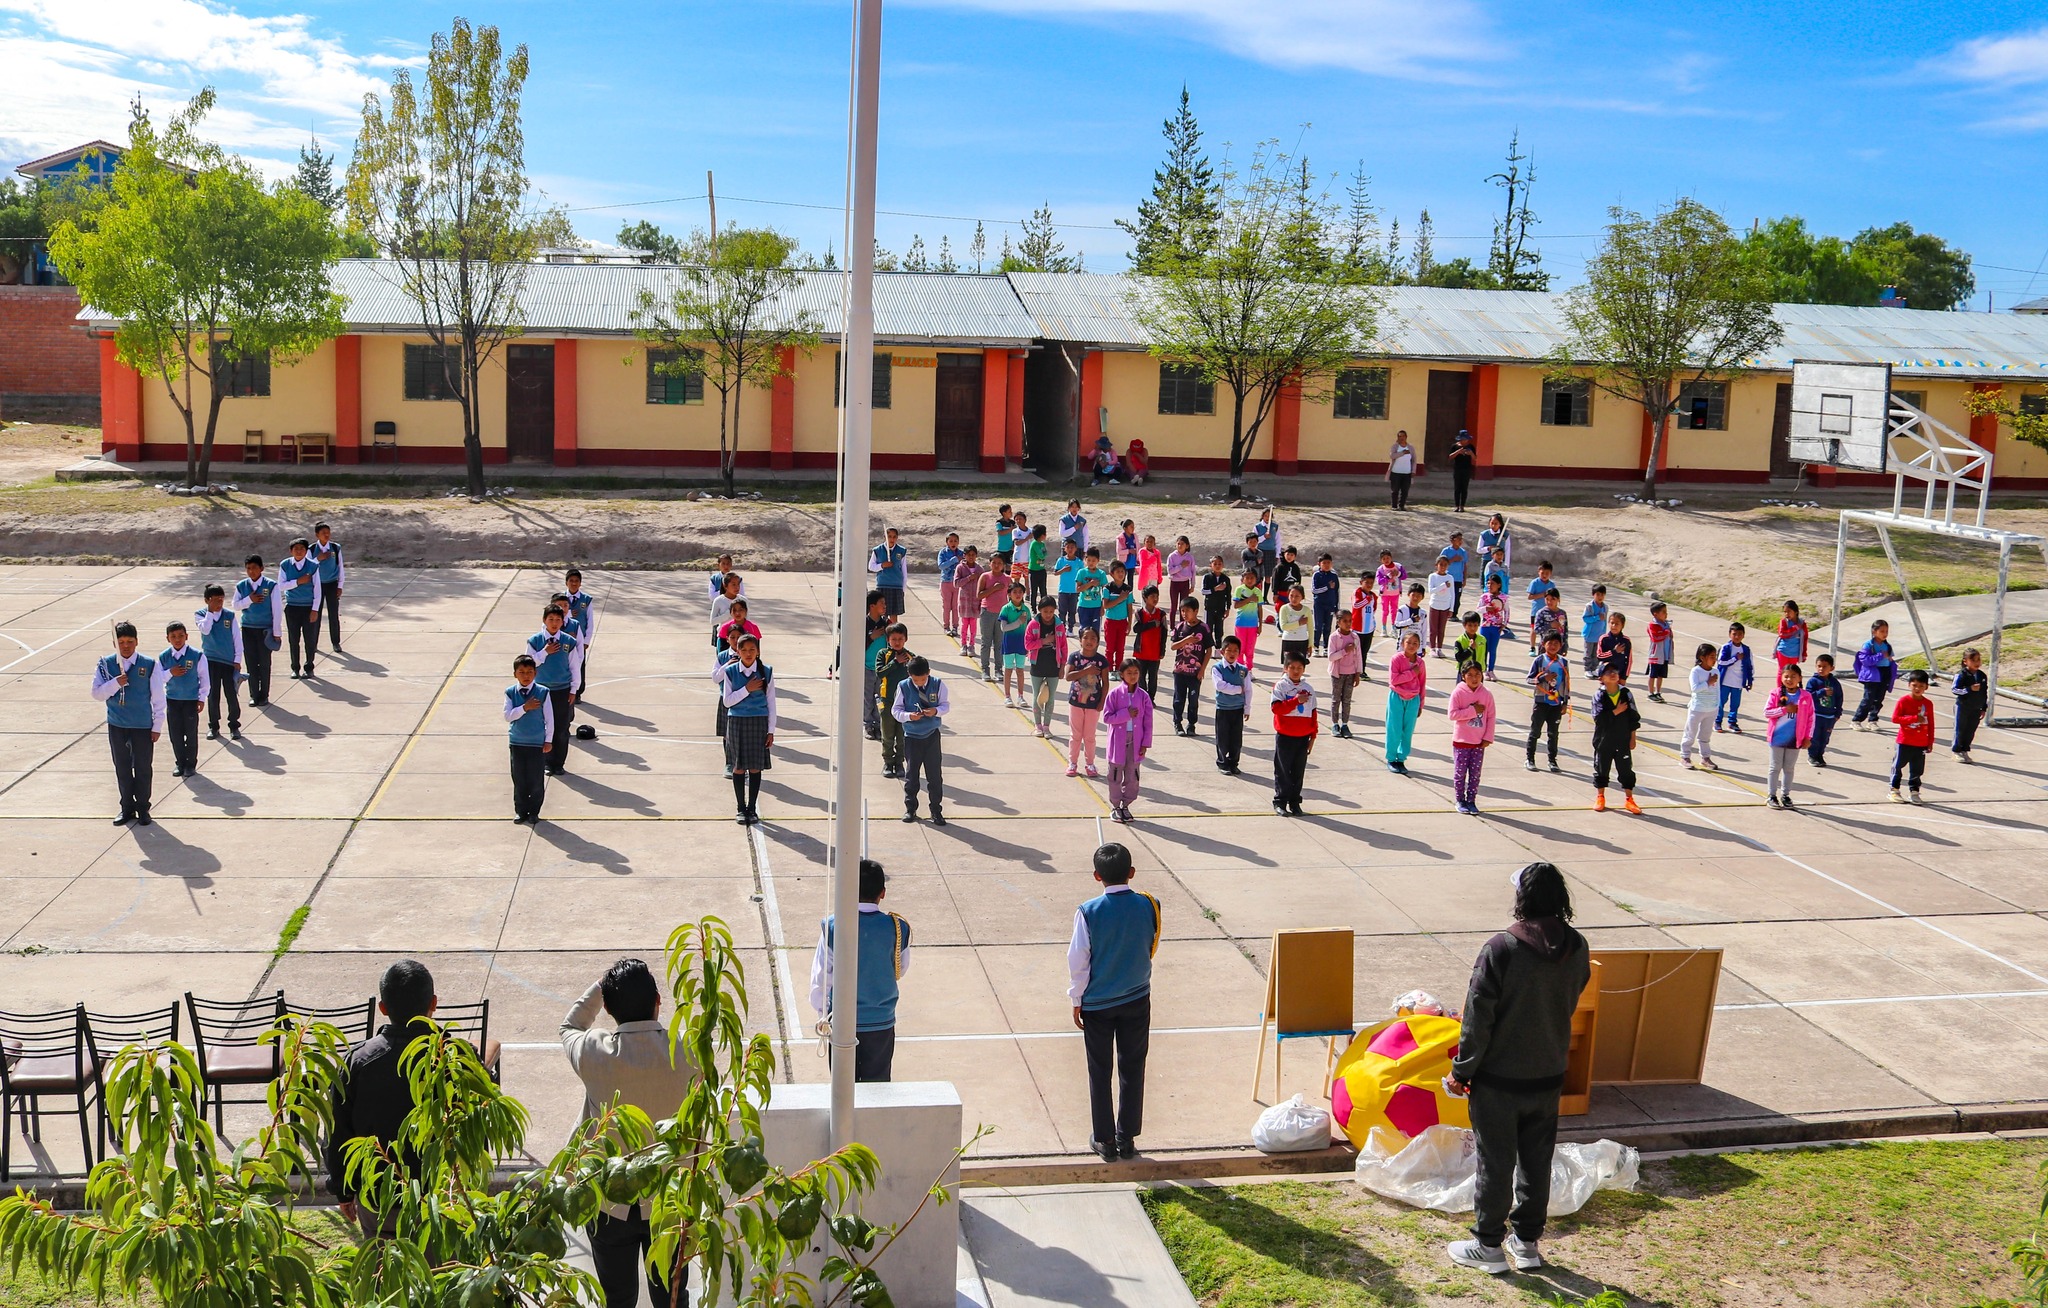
pixel 598 299
pixel 1525 326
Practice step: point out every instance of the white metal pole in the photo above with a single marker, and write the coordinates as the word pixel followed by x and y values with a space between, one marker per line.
pixel 1997 630
pixel 857 365
pixel 1841 568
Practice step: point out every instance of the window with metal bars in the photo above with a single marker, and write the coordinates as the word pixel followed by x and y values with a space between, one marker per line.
pixel 430 371
pixel 882 384
pixel 1362 393
pixel 675 376
pixel 241 376
pixel 1703 406
pixel 1183 390
pixel 1567 404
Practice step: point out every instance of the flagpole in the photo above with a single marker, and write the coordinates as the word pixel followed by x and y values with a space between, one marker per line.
pixel 857 367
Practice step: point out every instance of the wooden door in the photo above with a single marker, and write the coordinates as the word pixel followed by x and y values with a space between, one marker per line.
pixel 956 428
pixel 530 402
pixel 1444 416
pixel 1782 462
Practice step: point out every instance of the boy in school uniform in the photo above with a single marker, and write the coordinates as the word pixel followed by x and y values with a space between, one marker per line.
pixel 890 563
pixel 583 612
pixel 1972 691
pixel 299 578
pixel 1109 970
pixel 892 665
pixel 184 668
pixel 1216 589
pixel 1914 717
pixel 259 612
pixel 1230 677
pixel 554 653
pixel 1323 585
pixel 1294 733
pixel 132 687
pixel 333 576
pixel 220 640
pixel 878 624
pixel 531 712
pixel 1615 720
pixel 919 704
pixel 884 959
pixel 1826 689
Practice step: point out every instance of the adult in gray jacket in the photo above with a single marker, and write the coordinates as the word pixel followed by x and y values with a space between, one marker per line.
pixel 633 1064
pixel 1511 1059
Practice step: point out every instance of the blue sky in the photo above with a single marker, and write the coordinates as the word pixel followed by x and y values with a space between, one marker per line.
pixel 1936 114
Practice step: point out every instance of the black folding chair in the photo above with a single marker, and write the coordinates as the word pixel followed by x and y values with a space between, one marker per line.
pixel 227 1039
pixel 472 1022
pixel 357 1021
pixel 42 1056
pixel 107 1034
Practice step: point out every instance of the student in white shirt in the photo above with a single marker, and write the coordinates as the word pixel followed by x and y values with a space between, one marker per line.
pixel 1443 598
pixel 132 688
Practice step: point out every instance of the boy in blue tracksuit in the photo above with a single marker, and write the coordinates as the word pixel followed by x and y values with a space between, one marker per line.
pixel 1737 674
pixel 1323 585
pixel 1876 669
pixel 1826 689
pixel 1592 626
pixel 259 611
pixel 554 654
pixel 890 563
pixel 531 711
pixel 884 958
pixel 220 640
pixel 131 685
pixel 299 578
pixel 1109 968
pixel 326 552
pixel 184 669
pixel 582 611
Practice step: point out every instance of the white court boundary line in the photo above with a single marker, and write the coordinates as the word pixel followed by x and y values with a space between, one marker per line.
pixel 778 946
pixel 69 634
pixel 1888 907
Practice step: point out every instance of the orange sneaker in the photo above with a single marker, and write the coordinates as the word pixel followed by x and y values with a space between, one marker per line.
pixel 1629 802
pixel 1599 801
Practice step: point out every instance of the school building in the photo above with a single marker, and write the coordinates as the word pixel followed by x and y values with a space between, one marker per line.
pixel 1000 373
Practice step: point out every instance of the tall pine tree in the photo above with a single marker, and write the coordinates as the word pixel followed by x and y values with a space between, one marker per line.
pixel 1177 222
pixel 314 177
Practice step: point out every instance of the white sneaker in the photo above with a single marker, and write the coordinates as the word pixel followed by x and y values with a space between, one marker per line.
pixel 1897 798
pixel 1526 1257
pixel 1471 1253
pixel 1915 798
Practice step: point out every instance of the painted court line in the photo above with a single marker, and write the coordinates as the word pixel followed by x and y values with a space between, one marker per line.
pixel 778 947
pixel 73 632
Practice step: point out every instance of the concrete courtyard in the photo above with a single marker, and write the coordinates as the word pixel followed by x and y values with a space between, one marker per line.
pixel 1881 961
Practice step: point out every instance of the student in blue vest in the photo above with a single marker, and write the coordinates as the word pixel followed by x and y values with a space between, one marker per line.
pixel 183 667
pixel 220 640
pixel 748 688
pixel 259 612
pixel 890 563
pixel 884 958
pixel 583 610
pixel 554 654
pixel 1109 962
pixel 333 576
pixel 299 578
pixel 531 711
pixel 132 687
pixel 921 702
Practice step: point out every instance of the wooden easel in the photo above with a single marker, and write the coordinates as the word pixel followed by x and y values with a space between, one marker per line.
pixel 1308 996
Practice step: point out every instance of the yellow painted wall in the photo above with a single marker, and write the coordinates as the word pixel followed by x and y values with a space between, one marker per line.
pixel 905 427
pixel 425 423
pixel 1614 440
pixel 1327 438
pixel 1130 391
pixel 2014 459
pixel 1745 447
pixel 301 399
pixel 612 412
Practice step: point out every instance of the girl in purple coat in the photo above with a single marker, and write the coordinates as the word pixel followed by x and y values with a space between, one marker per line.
pixel 1127 716
pixel 1788 723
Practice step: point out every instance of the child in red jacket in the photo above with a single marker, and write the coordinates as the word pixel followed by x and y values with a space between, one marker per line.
pixel 1914 714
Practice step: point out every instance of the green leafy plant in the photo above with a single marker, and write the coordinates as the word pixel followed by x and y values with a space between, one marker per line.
pixel 2027 419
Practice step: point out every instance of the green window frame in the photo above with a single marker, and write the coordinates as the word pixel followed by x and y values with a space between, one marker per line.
pixel 669 387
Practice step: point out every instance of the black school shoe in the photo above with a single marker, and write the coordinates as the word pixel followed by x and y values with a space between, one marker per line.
pixel 1125 1146
pixel 1106 1152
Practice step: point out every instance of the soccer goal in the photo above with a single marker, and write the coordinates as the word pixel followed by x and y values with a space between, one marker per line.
pixel 1845 415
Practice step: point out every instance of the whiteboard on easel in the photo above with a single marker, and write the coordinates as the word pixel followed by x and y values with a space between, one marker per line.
pixel 1841 414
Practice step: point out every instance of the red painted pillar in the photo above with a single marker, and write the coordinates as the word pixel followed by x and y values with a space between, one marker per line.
pixel 1091 407
pixel 566 432
pixel 1287 429
pixel 782 413
pixel 1482 403
pixel 120 405
pixel 1013 421
pixel 995 409
pixel 1984 426
pixel 348 399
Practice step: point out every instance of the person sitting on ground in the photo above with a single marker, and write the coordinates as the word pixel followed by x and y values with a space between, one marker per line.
pixel 373 1095
pixel 1138 461
pixel 635 1066
pixel 1107 466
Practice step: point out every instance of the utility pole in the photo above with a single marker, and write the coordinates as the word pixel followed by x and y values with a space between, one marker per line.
pixel 711 194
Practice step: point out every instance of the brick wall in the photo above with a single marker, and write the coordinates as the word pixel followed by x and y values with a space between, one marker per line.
pixel 49 367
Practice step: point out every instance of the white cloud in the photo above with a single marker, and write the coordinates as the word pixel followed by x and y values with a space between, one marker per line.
pixel 72 69
pixel 1405 38
pixel 2008 72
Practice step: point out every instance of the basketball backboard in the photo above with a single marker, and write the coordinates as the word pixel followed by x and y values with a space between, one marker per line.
pixel 1841 414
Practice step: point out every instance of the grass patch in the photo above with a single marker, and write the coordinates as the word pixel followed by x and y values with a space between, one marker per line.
pixel 2022 660
pixel 1882 1225
pixel 290 935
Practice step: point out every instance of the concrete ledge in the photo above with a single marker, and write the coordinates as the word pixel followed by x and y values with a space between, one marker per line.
pixel 582 477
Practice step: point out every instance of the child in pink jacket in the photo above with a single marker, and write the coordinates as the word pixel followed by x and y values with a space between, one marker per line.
pixel 1045 645
pixel 1472 723
pixel 1788 726
pixel 1407 683
pixel 1347 665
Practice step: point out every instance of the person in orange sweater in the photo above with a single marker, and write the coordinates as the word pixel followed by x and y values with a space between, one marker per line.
pixel 1294 733
pixel 1914 714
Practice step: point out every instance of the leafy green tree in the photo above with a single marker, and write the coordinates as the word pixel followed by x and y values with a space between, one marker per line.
pixel 647 236
pixel 24 221
pixel 1512 264
pixel 1926 270
pixel 1459 274
pixel 945 262
pixel 201 267
pixel 1364 256
pixel 1801 267
pixel 1666 300
pixel 729 316
pixel 1177 222
pixel 2026 418
pixel 1257 312
pixel 439 182
pixel 1038 248
pixel 169 1220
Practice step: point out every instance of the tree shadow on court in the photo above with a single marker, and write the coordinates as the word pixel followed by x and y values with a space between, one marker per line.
pixel 605 796
pixel 578 850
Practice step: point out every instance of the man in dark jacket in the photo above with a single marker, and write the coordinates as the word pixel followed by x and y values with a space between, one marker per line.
pixel 1511 1060
pixel 373 1097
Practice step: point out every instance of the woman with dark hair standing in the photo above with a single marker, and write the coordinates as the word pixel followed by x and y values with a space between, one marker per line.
pixel 1401 462
pixel 1511 1059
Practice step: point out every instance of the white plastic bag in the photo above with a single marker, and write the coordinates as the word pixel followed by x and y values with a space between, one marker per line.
pixel 1291 1127
pixel 1437 1170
